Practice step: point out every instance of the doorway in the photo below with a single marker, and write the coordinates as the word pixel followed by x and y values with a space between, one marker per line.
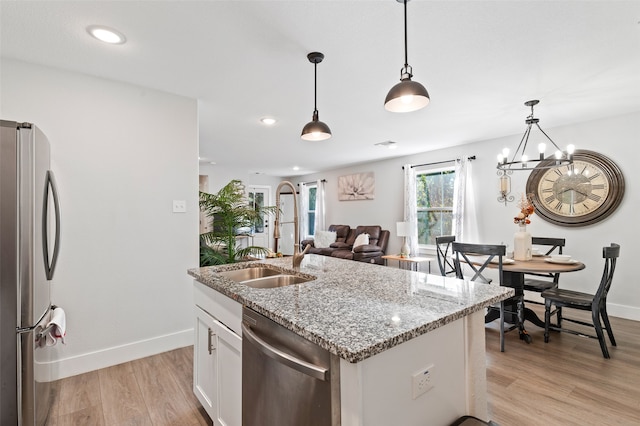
pixel 203 186
pixel 260 196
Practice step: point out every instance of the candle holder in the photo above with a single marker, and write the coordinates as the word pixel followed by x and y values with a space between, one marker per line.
pixel 505 186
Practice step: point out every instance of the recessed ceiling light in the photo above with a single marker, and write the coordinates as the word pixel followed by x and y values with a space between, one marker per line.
pixel 106 34
pixel 296 168
pixel 388 144
pixel 268 121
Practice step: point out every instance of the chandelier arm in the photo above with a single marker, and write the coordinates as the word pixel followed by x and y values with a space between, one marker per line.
pixel 525 139
pixel 547 136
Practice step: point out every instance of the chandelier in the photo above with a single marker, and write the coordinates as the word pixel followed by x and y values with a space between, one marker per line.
pixel 521 161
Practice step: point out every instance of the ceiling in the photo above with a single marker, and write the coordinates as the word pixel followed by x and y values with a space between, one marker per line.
pixel 243 60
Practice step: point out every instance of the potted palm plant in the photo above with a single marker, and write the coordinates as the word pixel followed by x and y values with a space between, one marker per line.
pixel 229 210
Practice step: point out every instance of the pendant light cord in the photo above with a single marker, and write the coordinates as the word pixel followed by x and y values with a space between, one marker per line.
pixel 315 86
pixel 406 61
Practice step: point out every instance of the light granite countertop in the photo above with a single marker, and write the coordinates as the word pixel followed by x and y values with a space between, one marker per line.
pixel 353 309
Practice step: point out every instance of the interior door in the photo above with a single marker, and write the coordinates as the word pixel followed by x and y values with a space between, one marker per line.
pixel 260 196
pixel 287 228
pixel 205 222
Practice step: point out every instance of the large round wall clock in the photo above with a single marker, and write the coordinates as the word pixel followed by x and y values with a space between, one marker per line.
pixel 578 194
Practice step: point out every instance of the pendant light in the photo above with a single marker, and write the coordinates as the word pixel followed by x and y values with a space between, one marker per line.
pixel 315 130
pixel 407 95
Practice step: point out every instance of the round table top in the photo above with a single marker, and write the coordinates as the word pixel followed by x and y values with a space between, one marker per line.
pixel 540 264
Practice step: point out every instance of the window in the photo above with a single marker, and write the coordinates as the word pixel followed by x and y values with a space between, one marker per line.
pixel 434 196
pixel 311 210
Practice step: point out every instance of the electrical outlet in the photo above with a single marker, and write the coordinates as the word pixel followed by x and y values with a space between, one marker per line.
pixel 179 206
pixel 422 381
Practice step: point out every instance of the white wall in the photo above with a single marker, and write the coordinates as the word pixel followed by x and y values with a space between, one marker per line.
pixel 615 137
pixel 121 154
pixel 220 175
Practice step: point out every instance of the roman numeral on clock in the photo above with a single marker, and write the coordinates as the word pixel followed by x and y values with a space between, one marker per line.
pixel 594 176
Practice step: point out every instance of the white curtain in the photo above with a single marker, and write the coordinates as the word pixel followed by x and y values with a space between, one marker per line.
pixel 303 212
pixel 320 224
pixel 411 208
pixel 465 225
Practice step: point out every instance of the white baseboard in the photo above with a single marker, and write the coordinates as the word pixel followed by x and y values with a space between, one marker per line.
pixel 108 357
pixel 623 311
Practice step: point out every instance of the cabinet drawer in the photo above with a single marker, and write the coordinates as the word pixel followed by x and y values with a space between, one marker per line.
pixel 221 307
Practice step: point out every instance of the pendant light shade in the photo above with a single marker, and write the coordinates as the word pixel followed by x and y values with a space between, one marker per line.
pixel 315 130
pixel 407 95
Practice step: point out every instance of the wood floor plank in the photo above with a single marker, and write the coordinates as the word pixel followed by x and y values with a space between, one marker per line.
pixel 91 416
pixel 181 368
pixel 78 393
pixel 122 400
pixel 163 398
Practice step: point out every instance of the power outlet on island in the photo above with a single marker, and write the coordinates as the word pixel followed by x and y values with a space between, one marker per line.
pixel 422 381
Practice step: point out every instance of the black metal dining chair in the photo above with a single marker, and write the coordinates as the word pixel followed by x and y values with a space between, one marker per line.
pixel 540 282
pixel 465 255
pixel 443 252
pixel 596 303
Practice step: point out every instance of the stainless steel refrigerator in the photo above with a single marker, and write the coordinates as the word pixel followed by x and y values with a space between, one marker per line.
pixel 29 241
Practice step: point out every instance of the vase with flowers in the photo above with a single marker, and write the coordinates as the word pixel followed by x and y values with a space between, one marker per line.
pixel 522 238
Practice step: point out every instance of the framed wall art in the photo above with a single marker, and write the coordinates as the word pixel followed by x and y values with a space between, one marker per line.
pixel 359 186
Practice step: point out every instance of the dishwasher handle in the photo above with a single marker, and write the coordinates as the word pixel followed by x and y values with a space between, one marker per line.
pixel 283 357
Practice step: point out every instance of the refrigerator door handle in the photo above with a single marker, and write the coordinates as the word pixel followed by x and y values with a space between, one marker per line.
pixel 50 264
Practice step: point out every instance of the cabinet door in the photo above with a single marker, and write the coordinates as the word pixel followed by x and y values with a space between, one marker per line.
pixel 229 361
pixel 204 362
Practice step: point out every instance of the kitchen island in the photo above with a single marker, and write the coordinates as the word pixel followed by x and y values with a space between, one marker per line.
pixel 385 325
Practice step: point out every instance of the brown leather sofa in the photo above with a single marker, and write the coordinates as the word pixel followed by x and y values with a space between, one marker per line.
pixel 342 248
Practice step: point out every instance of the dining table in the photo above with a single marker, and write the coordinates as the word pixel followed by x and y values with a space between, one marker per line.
pixel 513 275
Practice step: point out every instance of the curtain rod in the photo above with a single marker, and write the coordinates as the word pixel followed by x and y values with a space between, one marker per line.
pixel 311 181
pixel 473 157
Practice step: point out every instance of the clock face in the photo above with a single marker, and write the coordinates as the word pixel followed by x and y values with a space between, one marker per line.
pixel 578 194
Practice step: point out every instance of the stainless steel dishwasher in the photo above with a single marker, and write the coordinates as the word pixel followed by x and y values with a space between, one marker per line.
pixel 286 379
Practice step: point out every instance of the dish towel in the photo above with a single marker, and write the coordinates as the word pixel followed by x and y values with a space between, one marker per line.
pixel 57 327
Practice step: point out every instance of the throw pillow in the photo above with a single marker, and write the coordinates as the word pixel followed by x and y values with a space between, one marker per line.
pixel 323 239
pixel 361 240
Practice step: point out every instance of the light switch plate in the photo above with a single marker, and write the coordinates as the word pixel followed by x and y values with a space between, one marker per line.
pixel 179 206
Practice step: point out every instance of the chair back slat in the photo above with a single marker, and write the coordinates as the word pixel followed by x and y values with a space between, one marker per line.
pixel 552 244
pixel 465 251
pixel 443 252
pixel 610 255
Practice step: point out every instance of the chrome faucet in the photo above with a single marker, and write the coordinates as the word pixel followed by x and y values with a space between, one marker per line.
pixel 297 255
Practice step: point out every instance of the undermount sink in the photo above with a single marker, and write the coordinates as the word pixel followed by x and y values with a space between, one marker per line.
pixel 245 274
pixel 263 277
pixel 275 281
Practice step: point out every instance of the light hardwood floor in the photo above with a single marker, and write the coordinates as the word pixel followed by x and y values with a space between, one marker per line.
pixel 151 391
pixel 564 382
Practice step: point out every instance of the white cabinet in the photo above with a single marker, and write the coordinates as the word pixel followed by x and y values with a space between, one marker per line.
pixel 217 360
pixel 204 359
